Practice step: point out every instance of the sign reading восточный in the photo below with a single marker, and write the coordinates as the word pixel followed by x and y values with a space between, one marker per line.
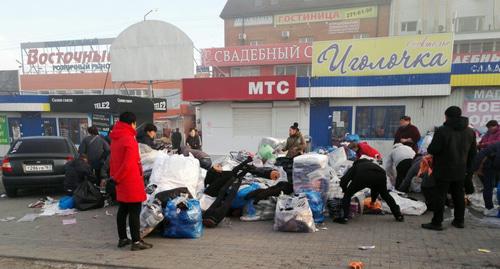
pixel 402 55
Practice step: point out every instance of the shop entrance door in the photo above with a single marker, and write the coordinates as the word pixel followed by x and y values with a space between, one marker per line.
pixel 340 124
pixel 31 124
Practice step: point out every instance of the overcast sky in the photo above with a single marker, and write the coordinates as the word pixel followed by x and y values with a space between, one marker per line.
pixel 50 20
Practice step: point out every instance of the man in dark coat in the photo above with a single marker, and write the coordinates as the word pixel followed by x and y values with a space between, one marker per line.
pixel 76 172
pixel 407 134
pixel 147 136
pixel 96 149
pixel 176 139
pixel 366 174
pixel 453 148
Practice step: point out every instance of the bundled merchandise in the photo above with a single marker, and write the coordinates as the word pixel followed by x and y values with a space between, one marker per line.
pixel 293 214
pixel 263 210
pixel 151 216
pixel 183 218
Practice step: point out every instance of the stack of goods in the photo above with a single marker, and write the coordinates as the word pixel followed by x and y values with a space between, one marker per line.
pixel 263 210
pixel 148 157
pixel 293 214
pixel 311 173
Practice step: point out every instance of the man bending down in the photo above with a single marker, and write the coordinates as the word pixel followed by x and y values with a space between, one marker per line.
pixel 366 174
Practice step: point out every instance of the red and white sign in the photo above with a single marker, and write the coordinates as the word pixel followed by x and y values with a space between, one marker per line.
pixel 270 88
pixel 480 57
pixel 257 55
pixel 481 106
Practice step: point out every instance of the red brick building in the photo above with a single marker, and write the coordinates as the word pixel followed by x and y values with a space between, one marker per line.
pixel 258 23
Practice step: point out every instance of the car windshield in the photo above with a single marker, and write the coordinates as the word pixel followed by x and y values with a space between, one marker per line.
pixel 40 146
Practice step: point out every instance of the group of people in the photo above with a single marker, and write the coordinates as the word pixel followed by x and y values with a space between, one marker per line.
pixel 447 166
pixel 453 150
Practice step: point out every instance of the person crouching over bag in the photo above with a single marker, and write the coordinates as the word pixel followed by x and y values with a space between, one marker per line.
pixel 76 172
pixel 366 174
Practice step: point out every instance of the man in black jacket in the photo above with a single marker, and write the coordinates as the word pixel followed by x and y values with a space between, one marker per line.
pixel 76 172
pixel 366 174
pixel 176 139
pixel 147 136
pixel 453 148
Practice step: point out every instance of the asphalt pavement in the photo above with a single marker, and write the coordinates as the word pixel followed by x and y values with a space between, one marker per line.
pixel 91 243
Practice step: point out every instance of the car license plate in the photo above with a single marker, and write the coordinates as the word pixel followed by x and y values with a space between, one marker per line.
pixel 38 168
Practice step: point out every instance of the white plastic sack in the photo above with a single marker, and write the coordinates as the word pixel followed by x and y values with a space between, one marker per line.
pixel 206 201
pixel 175 171
pixel 341 168
pixel 334 189
pixel 337 157
pixel 148 156
pixel 311 159
pixel 293 214
pixel 271 141
pixel 416 184
pixel 408 206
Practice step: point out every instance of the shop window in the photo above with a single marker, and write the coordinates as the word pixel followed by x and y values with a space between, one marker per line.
pixel 470 24
pixel 379 122
pixel 73 128
pixel 341 123
pixel 245 71
pixel 475 47
pixel 409 27
pixel 489 46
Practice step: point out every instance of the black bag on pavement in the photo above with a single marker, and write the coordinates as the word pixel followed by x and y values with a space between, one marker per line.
pixel 88 196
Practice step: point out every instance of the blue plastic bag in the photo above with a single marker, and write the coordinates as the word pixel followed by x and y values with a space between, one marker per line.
pixel 183 223
pixel 239 201
pixel 66 202
pixel 316 204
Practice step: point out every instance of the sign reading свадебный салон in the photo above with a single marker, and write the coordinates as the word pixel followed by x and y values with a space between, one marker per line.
pixel 386 56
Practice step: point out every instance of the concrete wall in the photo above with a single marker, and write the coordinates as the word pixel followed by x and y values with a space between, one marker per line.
pixel 218 131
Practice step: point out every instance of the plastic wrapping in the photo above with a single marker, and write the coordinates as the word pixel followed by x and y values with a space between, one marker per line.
pixel 275 143
pixel 293 214
pixel 87 196
pixel 66 202
pixel 337 157
pixel 408 207
pixel 183 221
pixel 151 216
pixel 239 201
pixel 176 171
pixel 310 173
pixel 317 205
pixel 263 210
pixel 206 201
pixel 148 156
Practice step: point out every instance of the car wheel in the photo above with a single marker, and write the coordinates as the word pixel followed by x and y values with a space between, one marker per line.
pixel 11 192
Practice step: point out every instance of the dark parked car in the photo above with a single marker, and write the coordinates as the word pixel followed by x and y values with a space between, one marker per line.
pixel 36 162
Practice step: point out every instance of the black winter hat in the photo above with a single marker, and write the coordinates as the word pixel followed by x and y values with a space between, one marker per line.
pixel 295 126
pixel 453 112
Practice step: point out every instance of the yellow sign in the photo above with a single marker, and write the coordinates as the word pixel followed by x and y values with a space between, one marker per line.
pixel 327 15
pixel 475 80
pixel 419 54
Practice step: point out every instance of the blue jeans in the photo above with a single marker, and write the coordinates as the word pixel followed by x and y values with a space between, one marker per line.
pixel 489 182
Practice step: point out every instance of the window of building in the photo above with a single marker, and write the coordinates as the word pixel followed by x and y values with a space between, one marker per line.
pixel 360 35
pixel 256 42
pixel 73 128
pixel 379 122
pixel 409 27
pixel 245 71
pixel 303 70
pixel 476 47
pixel 306 39
pixel 470 24
pixel 489 46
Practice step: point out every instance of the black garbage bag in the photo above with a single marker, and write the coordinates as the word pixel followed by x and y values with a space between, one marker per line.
pixel 88 196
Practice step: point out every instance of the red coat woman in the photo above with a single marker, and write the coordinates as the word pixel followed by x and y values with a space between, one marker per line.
pixel 125 164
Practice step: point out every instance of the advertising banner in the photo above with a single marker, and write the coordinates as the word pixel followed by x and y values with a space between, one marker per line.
pixel 343 27
pixel 106 104
pixel 481 106
pixel 476 69
pixel 4 130
pixel 401 55
pixel 327 15
pixel 257 55
pixel 239 88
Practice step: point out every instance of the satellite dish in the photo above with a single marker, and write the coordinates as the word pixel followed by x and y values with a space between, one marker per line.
pixel 151 50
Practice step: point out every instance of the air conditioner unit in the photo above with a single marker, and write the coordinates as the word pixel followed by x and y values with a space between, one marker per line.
pixel 285 34
pixel 242 36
